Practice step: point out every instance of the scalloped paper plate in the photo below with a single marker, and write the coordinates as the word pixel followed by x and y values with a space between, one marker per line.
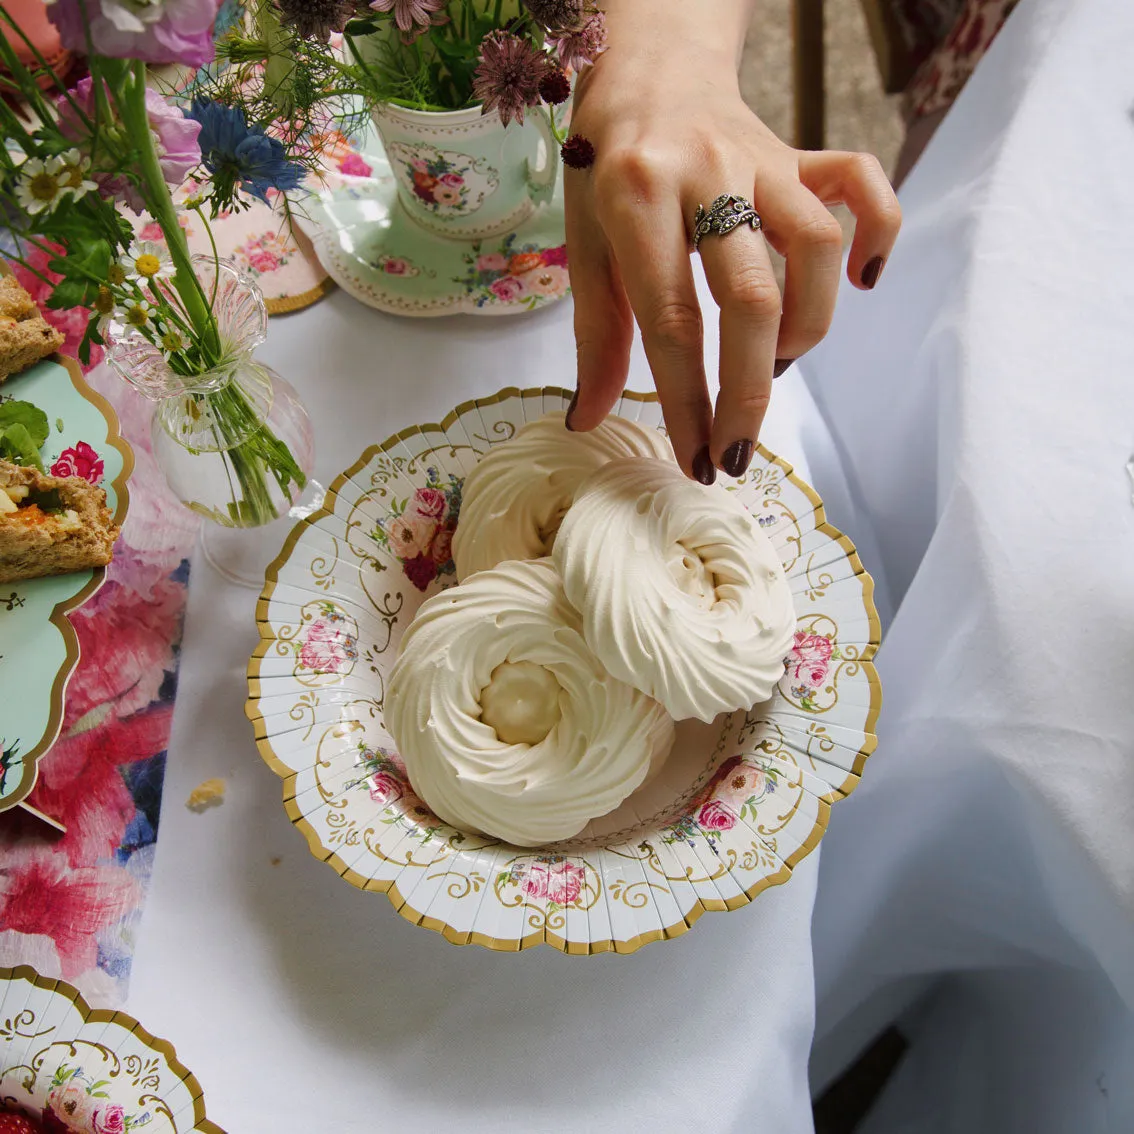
pixel 96 1070
pixel 38 646
pixel 737 805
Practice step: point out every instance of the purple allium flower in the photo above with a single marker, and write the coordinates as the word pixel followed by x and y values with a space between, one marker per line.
pixel 174 134
pixel 508 76
pixel 412 16
pixel 157 31
pixel 578 49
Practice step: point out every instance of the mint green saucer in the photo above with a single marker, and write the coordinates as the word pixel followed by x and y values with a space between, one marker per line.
pixel 372 249
pixel 38 646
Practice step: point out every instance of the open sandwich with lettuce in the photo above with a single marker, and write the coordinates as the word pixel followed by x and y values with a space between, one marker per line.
pixel 49 524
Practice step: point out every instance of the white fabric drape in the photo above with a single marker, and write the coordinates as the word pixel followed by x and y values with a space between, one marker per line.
pixel 983 397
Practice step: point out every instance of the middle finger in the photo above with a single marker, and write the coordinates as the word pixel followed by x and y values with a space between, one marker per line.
pixel 648 237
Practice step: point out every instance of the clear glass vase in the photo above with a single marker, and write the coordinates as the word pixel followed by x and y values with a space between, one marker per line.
pixel 234 442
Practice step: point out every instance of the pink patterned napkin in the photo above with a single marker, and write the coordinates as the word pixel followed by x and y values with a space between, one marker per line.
pixel 70 905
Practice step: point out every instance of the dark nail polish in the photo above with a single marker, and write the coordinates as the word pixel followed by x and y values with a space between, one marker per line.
pixel 872 271
pixel 571 410
pixel 781 365
pixel 703 468
pixel 736 457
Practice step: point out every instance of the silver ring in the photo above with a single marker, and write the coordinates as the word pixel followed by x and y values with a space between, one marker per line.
pixel 727 212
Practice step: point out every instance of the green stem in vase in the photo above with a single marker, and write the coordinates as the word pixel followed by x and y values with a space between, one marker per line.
pixel 159 202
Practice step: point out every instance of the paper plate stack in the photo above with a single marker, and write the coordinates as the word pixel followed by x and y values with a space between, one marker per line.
pixel 94 1071
pixel 738 804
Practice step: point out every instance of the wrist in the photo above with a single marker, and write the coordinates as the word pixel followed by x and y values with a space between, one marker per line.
pixel 661 31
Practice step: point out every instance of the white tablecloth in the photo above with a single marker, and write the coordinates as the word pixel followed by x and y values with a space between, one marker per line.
pixel 296 998
pixel 984 398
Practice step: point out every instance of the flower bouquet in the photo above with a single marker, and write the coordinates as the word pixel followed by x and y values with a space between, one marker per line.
pixel 507 56
pixel 74 156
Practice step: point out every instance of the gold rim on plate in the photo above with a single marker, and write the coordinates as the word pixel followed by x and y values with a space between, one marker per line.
pixel 333 590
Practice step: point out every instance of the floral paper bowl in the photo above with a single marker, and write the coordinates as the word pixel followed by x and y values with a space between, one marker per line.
pixel 736 806
pixel 77 1070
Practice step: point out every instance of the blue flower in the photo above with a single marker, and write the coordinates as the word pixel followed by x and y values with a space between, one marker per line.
pixel 234 151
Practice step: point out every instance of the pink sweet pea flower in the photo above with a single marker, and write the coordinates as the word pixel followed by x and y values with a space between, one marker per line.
pixel 163 31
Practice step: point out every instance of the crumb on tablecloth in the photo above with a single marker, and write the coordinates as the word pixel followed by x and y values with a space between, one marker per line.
pixel 206 795
pixel 275 860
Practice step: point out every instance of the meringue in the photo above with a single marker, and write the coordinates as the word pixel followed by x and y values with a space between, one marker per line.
pixel 515 498
pixel 681 592
pixel 507 722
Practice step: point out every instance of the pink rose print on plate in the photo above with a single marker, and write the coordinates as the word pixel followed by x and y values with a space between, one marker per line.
pixel 550 282
pixel 447 195
pixel 492 262
pixel 395 266
pixel 560 882
pixel 410 534
pixel 109 1118
pixel 71 1103
pixel 555 257
pixel 429 502
pixel 385 788
pixel 442 548
pixel 452 180
pixel 507 289
pixel 82 461
pixel 263 261
pixel 810 659
pixel 740 785
pixel 328 648
pixel 419 165
pixel 715 816
pixel 354 166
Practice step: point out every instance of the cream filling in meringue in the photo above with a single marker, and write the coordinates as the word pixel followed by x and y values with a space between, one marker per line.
pixel 692 575
pixel 520 703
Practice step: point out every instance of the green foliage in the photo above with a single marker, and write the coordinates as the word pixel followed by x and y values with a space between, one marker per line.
pixel 23 431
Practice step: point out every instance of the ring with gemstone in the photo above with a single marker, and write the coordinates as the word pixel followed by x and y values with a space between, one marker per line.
pixel 727 212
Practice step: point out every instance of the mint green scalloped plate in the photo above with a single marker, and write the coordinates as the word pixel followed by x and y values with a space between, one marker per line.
pixel 38 645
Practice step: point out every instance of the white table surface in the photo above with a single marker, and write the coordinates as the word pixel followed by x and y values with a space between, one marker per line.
pixel 984 396
pixel 296 998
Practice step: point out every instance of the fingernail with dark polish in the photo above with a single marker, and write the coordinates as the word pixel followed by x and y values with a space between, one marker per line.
pixel 703 468
pixel 571 410
pixel 737 457
pixel 872 271
pixel 781 365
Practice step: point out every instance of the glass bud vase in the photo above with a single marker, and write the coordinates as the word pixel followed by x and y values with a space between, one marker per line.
pixel 234 442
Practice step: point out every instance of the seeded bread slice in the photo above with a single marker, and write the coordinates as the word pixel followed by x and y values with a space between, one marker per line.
pixel 25 336
pixel 50 525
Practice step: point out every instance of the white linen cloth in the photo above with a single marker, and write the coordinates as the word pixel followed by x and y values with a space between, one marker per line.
pixel 301 1002
pixel 983 396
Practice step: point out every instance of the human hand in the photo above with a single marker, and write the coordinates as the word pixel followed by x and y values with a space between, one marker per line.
pixel 663 110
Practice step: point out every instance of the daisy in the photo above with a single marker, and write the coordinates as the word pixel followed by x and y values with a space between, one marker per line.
pixel 137 314
pixel 104 307
pixel 116 275
pixel 40 187
pixel 172 341
pixel 147 261
pixel 73 172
